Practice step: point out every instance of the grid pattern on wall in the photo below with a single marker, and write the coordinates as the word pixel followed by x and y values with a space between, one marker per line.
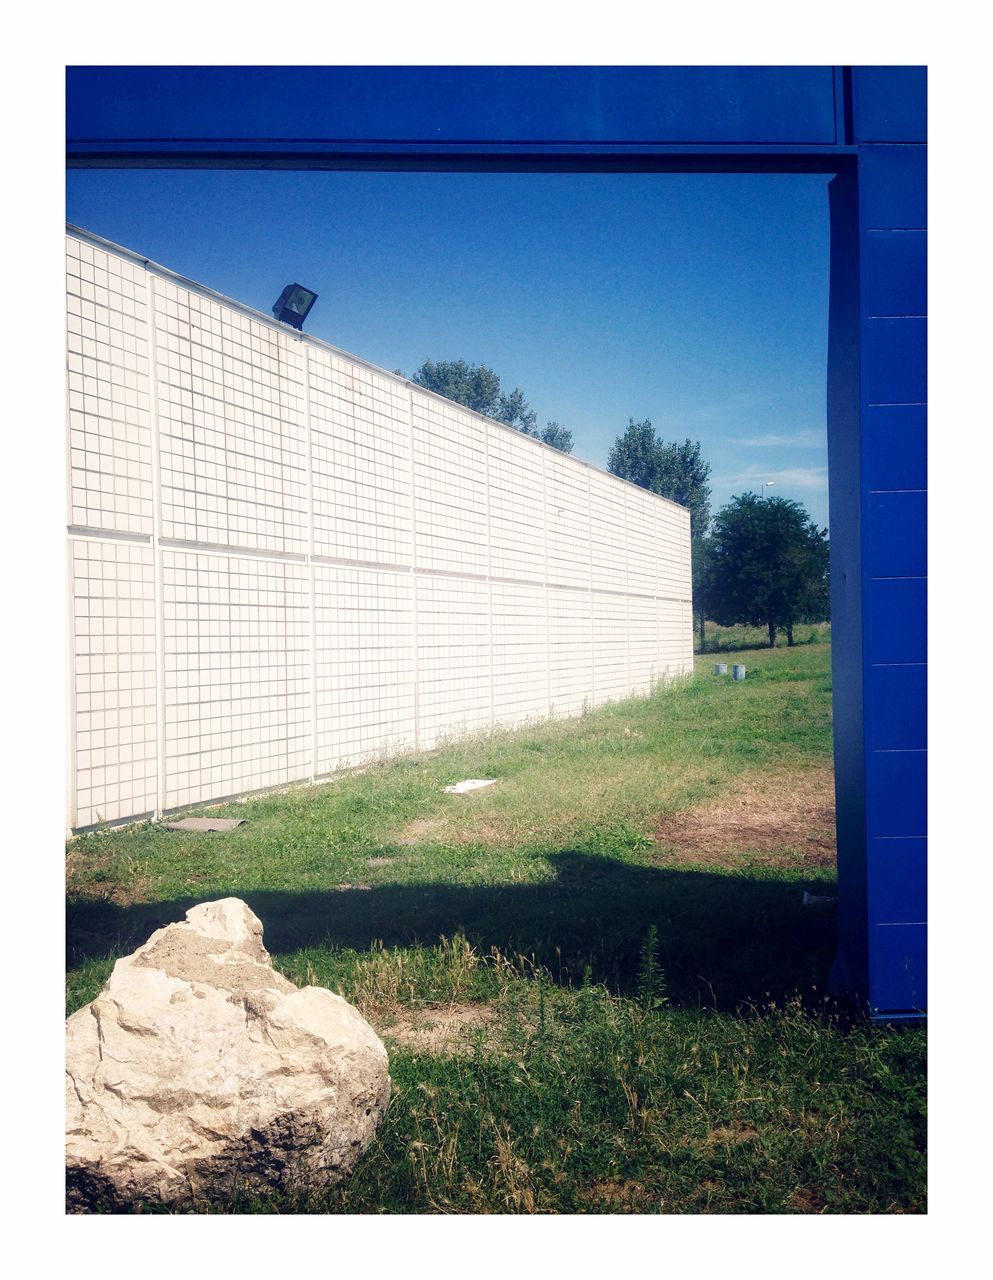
pixel 110 451
pixel 232 447
pixel 237 674
pixel 364 634
pixel 284 562
pixel 113 694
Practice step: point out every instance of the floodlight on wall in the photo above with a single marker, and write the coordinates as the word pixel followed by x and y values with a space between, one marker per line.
pixel 293 305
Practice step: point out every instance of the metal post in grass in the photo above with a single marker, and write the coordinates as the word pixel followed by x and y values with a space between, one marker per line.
pixel 720 668
pixel 738 673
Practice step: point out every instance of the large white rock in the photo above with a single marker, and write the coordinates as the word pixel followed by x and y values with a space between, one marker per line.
pixel 199 1071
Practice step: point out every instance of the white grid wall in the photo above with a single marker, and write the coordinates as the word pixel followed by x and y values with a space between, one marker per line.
pixel 284 562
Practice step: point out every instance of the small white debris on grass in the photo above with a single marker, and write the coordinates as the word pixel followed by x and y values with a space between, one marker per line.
pixel 469 784
pixel 817 899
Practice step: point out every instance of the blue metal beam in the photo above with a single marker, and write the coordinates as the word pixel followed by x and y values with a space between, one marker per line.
pixel 867 125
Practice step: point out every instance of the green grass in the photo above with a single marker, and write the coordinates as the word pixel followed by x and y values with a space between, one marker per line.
pixel 733 639
pixel 659 1038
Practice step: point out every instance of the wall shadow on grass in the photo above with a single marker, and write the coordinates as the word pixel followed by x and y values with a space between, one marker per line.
pixel 725 941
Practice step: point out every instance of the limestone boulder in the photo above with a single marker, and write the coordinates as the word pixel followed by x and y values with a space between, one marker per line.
pixel 199 1072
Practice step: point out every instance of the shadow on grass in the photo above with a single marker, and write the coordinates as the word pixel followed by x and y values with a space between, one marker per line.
pixel 755 644
pixel 717 650
pixel 743 646
pixel 725 941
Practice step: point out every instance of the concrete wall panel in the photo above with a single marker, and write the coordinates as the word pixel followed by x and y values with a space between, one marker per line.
pixel 285 562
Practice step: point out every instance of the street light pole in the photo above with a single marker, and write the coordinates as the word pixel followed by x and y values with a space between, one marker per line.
pixel 766 486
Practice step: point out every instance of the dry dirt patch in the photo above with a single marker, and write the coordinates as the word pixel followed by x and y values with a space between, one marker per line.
pixel 805 1200
pixel 615 1195
pixel 456 829
pixel 774 816
pixel 441 1030
pixel 730 1135
pixel 421 829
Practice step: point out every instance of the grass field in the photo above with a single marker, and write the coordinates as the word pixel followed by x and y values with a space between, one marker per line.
pixel 597 982
pixel 733 639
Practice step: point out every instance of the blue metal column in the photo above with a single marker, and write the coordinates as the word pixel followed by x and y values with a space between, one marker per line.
pixel 848 976
pixel 889 127
pixel 865 124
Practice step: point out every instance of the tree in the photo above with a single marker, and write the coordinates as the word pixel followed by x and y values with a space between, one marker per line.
pixel 475 386
pixel 702 552
pixel 514 410
pixel 557 436
pixel 478 388
pixel 634 455
pixel 675 471
pixel 769 565
pixel 683 477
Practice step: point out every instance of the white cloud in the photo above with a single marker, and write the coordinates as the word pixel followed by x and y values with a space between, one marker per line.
pixel 798 440
pixel 788 478
pixel 732 408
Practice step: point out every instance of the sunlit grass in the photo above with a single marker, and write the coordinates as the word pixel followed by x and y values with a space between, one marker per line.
pixel 702 1071
pixel 731 639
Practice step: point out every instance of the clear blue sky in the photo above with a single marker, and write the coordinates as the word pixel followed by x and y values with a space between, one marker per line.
pixel 699 301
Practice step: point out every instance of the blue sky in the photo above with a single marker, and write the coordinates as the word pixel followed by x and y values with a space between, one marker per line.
pixel 696 300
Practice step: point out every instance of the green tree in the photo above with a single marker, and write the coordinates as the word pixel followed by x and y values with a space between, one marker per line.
pixel 478 388
pixel 683 477
pixel 514 410
pixel 672 470
pixel 769 565
pixel 475 386
pixel 634 455
pixel 557 436
pixel 702 551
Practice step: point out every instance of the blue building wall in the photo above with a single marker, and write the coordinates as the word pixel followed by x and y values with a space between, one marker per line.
pixel 867 125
